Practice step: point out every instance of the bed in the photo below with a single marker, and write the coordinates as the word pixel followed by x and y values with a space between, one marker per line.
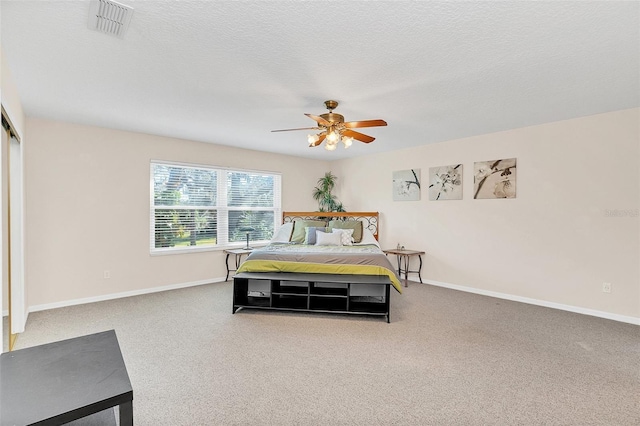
pixel 319 262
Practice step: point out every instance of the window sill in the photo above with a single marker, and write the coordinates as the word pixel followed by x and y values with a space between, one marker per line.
pixel 196 249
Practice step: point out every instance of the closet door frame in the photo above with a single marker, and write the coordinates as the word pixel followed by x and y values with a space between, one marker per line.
pixel 12 205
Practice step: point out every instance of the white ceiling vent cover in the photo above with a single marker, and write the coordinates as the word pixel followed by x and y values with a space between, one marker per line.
pixel 109 17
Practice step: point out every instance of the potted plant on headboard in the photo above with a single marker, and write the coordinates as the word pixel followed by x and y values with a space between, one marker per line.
pixel 327 201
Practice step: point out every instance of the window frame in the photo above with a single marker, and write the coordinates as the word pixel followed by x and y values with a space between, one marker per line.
pixel 221 208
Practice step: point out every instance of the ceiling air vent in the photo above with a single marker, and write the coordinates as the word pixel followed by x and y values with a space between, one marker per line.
pixel 109 17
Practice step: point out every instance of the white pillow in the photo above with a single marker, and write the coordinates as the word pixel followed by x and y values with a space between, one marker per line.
pixel 328 239
pixel 283 233
pixel 368 238
pixel 346 236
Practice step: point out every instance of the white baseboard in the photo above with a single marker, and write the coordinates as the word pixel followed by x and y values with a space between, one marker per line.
pixel 506 296
pixel 5 313
pixel 112 296
pixel 560 306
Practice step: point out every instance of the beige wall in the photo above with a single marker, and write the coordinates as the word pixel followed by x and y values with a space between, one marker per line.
pixel 554 242
pixel 87 211
pixel 87 202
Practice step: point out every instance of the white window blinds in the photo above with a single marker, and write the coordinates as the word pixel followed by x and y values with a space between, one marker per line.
pixel 196 207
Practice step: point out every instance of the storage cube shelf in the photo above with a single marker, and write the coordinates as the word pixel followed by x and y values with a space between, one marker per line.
pixel 323 293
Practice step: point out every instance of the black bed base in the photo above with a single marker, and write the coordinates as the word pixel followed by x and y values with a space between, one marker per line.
pixel 325 293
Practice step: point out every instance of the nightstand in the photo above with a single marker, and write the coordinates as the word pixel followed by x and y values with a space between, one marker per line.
pixel 404 256
pixel 238 258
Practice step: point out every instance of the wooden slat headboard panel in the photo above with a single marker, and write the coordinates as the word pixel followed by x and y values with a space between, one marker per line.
pixel 369 219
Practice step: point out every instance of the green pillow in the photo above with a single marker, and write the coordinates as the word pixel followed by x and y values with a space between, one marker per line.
pixel 356 225
pixel 298 234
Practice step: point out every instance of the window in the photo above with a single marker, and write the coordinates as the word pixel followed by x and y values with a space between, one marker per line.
pixel 200 207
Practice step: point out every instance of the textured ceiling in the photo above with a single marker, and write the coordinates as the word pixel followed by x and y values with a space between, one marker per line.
pixel 229 72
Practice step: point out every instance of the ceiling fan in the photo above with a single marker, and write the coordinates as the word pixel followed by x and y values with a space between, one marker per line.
pixel 334 129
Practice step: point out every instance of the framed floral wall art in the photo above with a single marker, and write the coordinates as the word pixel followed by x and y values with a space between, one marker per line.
pixel 494 179
pixel 406 185
pixel 445 182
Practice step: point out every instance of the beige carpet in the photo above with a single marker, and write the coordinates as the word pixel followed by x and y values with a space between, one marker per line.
pixel 447 358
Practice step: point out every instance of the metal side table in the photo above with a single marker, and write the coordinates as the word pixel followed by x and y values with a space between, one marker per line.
pixel 238 253
pixel 403 257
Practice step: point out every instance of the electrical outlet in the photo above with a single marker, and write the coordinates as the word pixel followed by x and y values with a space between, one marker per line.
pixel 107 275
pixel 606 287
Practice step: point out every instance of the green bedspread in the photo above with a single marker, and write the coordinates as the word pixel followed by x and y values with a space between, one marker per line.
pixel 300 258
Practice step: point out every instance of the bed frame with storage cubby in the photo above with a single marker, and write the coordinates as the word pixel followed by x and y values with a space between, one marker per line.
pixel 316 292
pixel 324 293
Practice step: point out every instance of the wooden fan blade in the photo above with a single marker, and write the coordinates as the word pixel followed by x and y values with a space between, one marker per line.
pixel 319 141
pixel 364 123
pixel 301 128
pixel 359 136
pixel 321 121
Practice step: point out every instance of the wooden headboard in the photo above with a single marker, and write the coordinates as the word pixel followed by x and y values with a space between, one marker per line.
pixel 369 219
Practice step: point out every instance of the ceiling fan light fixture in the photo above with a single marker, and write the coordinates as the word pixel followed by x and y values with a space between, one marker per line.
pixel 332 136
pixel 313 139
pixel 330 146
pixel 333 128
